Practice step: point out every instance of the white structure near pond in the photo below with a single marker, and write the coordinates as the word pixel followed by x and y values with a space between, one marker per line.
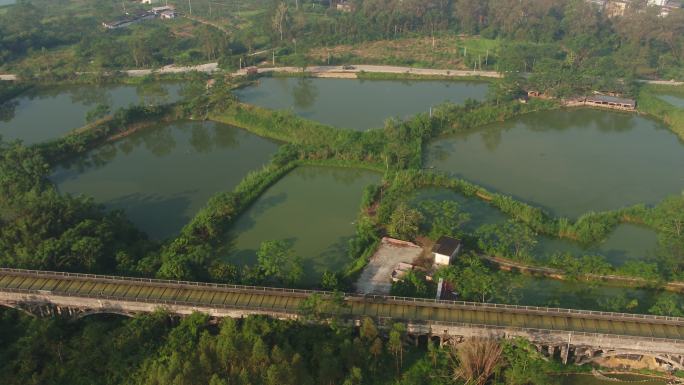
pixel 445 250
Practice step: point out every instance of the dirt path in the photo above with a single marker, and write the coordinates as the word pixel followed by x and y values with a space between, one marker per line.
pixel 331 72
pixel 171 69
pixel 338 71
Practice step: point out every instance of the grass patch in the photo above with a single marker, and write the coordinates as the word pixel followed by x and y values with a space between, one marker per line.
pixel 649 103
pixel 446 52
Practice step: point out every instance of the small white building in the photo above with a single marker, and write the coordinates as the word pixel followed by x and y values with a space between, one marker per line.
pixel 168 15
pixel 164 8
pixel 148 1
pixel 445 250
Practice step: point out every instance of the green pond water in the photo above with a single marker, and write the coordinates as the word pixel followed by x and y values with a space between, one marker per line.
pixel 314 208
pixel 480 212
pixel 7 2
pixel 540 291
pixel 357 104
pixel 675 100
pixel 43 114
pixel 568 161
pixel 589 379
pixel 162 176
pixel 626 242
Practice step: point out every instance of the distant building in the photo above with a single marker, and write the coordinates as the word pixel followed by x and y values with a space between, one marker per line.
pixel 345 6
pixel 601 4
pixel 168 15
pixel 148 1
pixel 160 10
pixel 615 8
pixel 128 20
pixel 666 6
pixel 445 250
pixel 611 102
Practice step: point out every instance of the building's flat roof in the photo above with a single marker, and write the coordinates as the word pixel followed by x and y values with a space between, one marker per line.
pixel 446 245
pixel 611 99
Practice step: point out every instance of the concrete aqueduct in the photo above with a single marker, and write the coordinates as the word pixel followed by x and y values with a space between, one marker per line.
pixel 573 335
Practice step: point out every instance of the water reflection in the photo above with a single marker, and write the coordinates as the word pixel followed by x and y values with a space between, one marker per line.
pixel 161 176
pixel 314 207
pixel 304 93
pixel 7 110
pixel 153 92
pixel 626 243
pixel 41 114
pixel 675 100
pixel 568 162
pixel 357 104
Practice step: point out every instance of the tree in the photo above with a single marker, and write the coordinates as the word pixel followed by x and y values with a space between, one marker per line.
pixel 669 219
pixel 139 48
pixel 667 304
pixel 443 218
pixel 281 18
pixel 330 281
pixel 412 285
pixel 277 262
pixel 524 364
pixel 396 343
pixel 368 330
pixel 509 240
pixel 404 222
pixel 475 360
pixel 99 112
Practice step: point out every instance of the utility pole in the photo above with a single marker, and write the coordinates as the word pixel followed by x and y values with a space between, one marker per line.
pixel 487 58
pixel 273 56
pixel 190 6
pixel 209 9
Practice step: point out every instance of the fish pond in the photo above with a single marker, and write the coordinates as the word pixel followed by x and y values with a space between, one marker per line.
pixel 160 177
pixel 626 243
pixel 314 209
pixel 548 292
pixel 47 113
pixel 675 100
pixel 568 162
pixel 357 104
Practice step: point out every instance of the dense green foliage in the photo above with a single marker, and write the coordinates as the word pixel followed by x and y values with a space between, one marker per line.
pixel 39 228
pixel 569 47
pixel 155 349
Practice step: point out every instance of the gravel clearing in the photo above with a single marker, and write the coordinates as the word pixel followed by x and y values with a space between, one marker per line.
pixel 375 278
